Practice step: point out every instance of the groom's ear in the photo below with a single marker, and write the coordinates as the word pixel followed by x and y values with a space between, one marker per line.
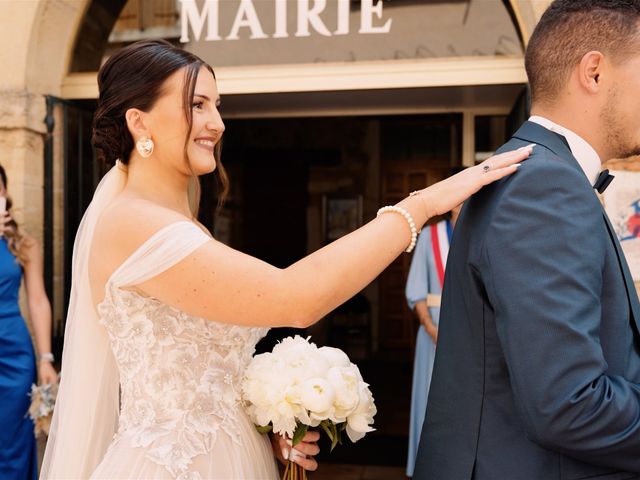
pixel 590 71
pixel 135 119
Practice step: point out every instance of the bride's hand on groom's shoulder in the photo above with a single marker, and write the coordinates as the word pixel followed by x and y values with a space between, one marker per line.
pixel 445 195
pixel 302 453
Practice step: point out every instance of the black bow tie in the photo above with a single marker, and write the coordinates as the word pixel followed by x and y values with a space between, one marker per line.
pixel 603 181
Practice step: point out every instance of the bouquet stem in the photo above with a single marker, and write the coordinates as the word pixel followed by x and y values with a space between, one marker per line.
pixel 294 472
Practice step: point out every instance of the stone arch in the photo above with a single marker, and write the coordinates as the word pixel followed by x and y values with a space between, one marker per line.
pixel 55 28
pixel 525 15
pixel 67 36
pixel 93 34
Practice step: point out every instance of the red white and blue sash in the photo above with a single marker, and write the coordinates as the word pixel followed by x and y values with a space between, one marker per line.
pixel 440 239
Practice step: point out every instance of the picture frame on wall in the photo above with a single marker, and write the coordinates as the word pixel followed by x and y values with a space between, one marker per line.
pixel 341 214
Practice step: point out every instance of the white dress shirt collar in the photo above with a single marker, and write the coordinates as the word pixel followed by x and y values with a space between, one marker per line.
pixel 584 153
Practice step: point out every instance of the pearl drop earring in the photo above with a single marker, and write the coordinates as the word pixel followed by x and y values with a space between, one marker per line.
pixel 145 147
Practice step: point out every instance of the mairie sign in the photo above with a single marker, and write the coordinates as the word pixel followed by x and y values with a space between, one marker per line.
pixel 309 19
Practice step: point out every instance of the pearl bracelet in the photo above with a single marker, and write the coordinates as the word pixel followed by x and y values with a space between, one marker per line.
pixel 46 357
pixel 407 216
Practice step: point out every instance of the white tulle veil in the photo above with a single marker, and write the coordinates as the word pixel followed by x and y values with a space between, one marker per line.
pixel 86 412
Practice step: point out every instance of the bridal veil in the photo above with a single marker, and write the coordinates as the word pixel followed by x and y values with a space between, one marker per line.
pixel 86 413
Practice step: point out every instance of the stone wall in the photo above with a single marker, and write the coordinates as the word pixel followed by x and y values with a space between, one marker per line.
pixel 22 135
pixel 38 37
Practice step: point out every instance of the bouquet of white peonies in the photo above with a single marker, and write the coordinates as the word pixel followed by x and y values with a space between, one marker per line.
pixel 299 385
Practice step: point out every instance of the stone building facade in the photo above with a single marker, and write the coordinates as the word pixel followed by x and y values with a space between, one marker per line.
pixel 53 48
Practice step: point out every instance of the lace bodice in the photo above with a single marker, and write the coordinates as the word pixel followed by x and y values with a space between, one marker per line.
pixel 180 376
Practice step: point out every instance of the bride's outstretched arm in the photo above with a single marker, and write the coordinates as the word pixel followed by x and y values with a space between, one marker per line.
pixel 222 284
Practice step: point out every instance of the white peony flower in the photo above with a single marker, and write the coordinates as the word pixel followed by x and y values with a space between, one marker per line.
pixel 358 422
pixel 335 356
pixel 317 395
pixel 308 365
pixel 293 343
pixel 302 358
pixel 346 382
pixel 269 390
pixel 265 381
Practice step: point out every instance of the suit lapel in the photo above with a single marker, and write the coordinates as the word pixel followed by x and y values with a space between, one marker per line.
pixel 628 280
pixel 531 132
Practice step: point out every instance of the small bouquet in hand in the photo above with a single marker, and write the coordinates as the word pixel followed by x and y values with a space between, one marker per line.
pixel 43 398
pixel 298 386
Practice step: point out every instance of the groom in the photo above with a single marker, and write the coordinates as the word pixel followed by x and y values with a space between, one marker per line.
pixel 537 372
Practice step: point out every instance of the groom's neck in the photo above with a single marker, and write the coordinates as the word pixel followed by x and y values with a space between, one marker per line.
pixel 585 123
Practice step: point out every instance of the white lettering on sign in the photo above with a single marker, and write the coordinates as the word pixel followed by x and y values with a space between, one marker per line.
pixel 343 18
pixel 191 16
pixel 281 19
pixel 311 16
pixel 309 19
pixel 366 18
pixel 246 17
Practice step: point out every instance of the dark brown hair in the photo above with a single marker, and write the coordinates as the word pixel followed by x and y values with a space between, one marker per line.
pixel 16 240
pixel 134 77
pixel 568 30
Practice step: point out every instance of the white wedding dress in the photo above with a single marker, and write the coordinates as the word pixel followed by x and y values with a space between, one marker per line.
pixel 180 412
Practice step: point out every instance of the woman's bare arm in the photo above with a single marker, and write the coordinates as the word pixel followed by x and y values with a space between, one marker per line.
pixel 39 306
pixel 219 283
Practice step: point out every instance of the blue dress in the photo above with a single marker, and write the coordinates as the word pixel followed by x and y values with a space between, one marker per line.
pixel 422 280
pixel 18 452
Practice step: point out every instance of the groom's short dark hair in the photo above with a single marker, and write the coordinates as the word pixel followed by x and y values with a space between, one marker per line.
pixel 568 30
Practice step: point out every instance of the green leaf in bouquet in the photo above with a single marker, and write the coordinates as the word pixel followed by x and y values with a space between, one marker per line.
pixel 335 436
pixel 341 428
pixel 264 428
pixel 325 425
pixel 299 433
pixel 333 431
pixel 338 442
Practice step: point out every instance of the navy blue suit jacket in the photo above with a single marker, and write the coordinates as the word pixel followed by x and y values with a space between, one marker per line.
pixel 537 370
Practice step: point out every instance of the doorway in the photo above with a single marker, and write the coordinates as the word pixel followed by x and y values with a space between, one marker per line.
pixel 288 177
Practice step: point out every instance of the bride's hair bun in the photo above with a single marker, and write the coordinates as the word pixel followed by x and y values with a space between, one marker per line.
pixel 111 138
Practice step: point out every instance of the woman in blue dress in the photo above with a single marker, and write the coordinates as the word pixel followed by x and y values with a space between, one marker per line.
pixel 423 290
pixel 20 255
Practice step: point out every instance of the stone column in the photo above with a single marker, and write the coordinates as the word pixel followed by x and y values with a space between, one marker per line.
pixel 21 154
pixel 21 117
pixel 38 38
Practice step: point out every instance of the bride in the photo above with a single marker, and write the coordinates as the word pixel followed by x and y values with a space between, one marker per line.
pixel 163 318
